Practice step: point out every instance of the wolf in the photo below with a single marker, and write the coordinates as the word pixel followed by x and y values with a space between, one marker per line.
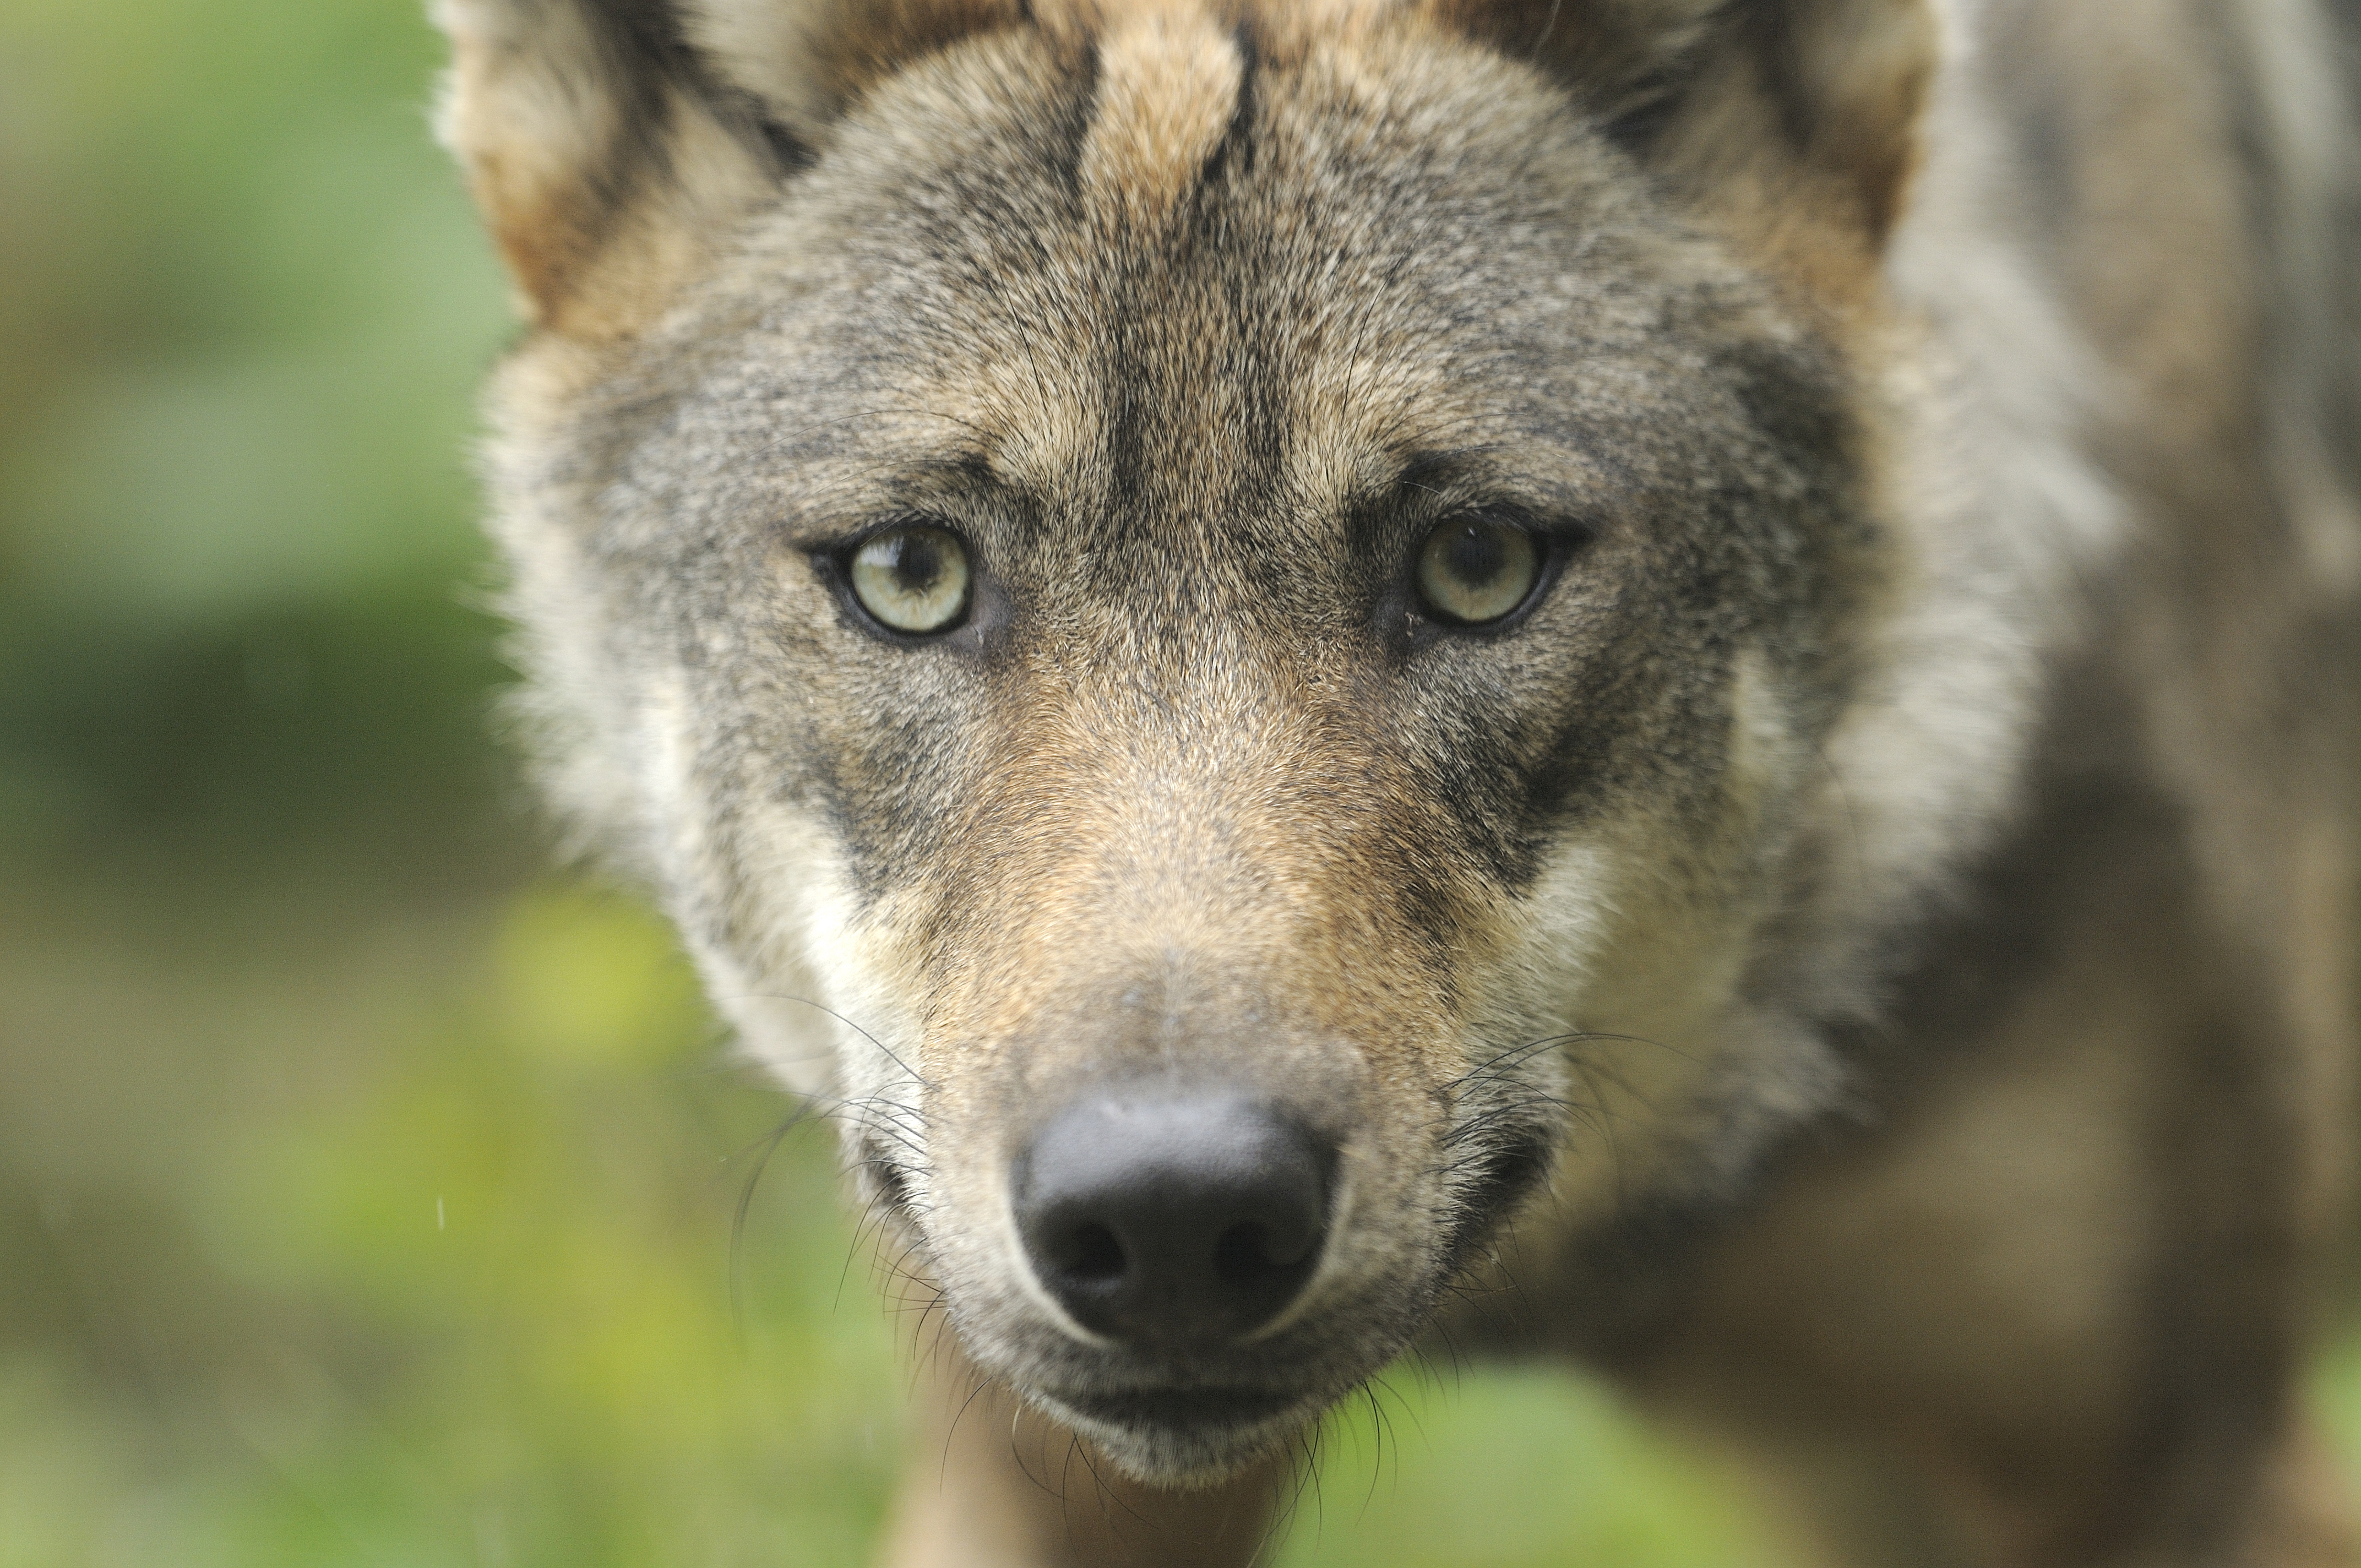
pixel 1667 682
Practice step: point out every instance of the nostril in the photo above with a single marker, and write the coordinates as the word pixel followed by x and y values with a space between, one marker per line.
pixel 1091 1253
pixel 1246 1259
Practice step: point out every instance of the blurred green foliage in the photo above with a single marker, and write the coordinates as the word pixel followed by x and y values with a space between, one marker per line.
pixel 246 309
pixel 366 1194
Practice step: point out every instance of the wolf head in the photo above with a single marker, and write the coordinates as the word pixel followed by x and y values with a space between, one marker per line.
pixel 1217 620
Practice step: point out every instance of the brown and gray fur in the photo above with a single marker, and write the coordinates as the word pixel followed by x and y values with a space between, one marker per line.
pixel 1871 954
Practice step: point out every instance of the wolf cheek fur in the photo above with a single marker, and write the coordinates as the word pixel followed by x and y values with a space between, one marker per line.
pixel 1907 528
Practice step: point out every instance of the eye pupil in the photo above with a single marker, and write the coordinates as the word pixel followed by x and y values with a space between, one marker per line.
pixel 1475 555
pixel 915 563
pixel 1477 569
pixel 912 578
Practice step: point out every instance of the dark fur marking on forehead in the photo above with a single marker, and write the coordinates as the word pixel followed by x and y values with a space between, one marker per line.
pixel 1071 112
pixel 1237 144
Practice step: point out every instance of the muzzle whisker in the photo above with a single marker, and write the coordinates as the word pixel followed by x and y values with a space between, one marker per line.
pixel 1426 1363
pixel 1380 1432
pixel 1106 1493
pixel 1016 1452
pixel 1496 1068
pixel 939 1343
pixel 1302 1456
pixel 874 1216
pixel 1604 1120
pixel 978 1383
pixel 1587 1035
pixel 1065 1485
pixel 916 1077
pixel 1313 1453
pixel 768 1146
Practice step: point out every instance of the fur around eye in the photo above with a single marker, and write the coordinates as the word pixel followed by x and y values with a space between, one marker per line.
pixel 913 578
pixel 1474 569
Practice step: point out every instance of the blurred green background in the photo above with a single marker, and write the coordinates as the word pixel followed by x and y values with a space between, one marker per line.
pixel 366 1187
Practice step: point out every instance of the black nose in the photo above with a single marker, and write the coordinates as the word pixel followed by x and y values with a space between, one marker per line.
pixel 1167 1219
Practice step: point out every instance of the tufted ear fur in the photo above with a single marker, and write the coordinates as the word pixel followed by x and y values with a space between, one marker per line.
pixel 597 148
pixel 609 141
pixel 809 59
pixel 1797 119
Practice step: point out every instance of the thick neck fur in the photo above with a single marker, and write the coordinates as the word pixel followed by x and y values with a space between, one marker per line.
pixel 2004 515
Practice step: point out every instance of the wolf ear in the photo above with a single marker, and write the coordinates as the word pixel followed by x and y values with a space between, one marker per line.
pixel 609 142
pixel 600 149
pixel 1772 111
pixel 808 61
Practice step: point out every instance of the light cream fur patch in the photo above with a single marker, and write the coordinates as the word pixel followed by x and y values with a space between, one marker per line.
pixel 1168 80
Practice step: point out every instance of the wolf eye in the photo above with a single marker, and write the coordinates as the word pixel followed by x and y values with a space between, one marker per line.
pixel 1474 569
pixel 913 578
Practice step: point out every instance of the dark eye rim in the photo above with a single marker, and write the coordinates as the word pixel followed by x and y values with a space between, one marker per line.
pixel 834 563
pixel 1554 543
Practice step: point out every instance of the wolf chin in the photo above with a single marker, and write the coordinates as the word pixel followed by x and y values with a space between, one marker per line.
pixel 1312 658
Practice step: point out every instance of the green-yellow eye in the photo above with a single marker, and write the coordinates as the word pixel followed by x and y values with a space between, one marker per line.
pixel 1474 569
pixel 913 578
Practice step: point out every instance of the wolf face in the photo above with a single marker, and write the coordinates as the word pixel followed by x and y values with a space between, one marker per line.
pixel 1220 626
